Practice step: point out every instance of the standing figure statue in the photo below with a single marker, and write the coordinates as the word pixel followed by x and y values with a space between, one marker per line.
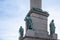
pixel 21 31
pixel 29 23
pixel 52 27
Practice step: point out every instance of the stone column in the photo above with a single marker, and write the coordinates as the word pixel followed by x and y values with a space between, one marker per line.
pixel 35 4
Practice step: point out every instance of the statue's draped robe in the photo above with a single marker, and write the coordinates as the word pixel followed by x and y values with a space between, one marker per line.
pixel 29 22
pixel 21 32
pixel 52 28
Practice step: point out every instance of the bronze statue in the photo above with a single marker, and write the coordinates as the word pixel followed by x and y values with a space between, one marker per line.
pixel 21 31
pixel 52 27
pixel 29 23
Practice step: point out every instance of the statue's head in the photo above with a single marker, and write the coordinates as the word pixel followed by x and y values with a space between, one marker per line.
pixel 20 29
pixel 20 26
pixel 28 17
pixel 52 20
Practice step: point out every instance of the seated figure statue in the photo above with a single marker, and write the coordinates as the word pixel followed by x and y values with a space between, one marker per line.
pixel 29 23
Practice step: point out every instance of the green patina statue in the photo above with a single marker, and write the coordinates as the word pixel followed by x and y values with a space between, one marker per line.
pixel 21 31
pixel 52 27
pixel 29 23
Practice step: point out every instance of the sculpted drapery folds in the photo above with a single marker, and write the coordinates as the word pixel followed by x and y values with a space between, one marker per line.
pixel 29 23
pixel 21 31
pixel 52 27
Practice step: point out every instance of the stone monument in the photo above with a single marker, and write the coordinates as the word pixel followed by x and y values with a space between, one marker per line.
pixel 36 23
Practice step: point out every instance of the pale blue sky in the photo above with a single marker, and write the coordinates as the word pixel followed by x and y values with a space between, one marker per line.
pixel 13 12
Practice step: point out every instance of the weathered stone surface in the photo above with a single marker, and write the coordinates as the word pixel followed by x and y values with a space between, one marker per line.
pixel 54 36
pixel 33 33
pixel 39 22
pixel 35 3
pixel 30 33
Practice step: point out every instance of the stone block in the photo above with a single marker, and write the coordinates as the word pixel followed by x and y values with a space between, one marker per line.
pixel 39 21
pixel 30 33
pixel 34 33
pixel 54 36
